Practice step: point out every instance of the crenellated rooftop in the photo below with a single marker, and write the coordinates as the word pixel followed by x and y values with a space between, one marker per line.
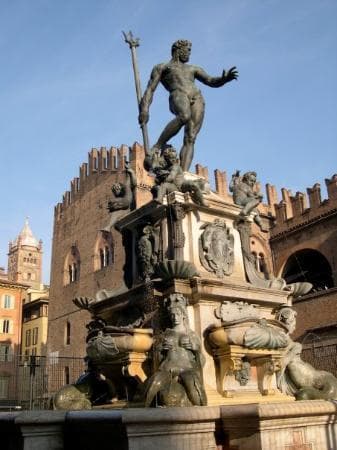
pixel 102 161
pixel 290 212
pixel 301 209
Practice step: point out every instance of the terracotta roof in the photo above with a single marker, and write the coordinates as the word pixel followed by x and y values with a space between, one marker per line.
pixel 13 284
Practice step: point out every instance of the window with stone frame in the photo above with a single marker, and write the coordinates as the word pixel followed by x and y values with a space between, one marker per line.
pixel 6 326
pixel 8 301
pixel 6 353
pixel 260 262
pixel 28 338
pixel 72 266
pixel 104 251
pixel 35 335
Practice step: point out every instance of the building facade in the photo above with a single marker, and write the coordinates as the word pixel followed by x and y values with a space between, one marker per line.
pixel 304 248
pixel 35 323
pixel 11 300
pixel 86 257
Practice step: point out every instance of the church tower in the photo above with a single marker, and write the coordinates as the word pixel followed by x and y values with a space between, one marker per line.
pixel 25 258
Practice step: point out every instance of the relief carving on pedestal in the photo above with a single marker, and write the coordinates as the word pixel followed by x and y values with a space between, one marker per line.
pixel 216 248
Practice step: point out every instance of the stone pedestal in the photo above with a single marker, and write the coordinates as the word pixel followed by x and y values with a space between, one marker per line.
pixel 304 425
pixel 231 381
pixel 172 428
pixel 42 430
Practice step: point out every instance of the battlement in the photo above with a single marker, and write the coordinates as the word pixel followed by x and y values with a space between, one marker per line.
pixel 291 211
pixel 102 161
pixel 296 210
pixel 112 161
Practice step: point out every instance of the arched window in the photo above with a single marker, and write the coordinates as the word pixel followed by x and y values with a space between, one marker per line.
pixel 260 262
pixel 104 256
pixel 309 265
pixel 72 266
pixel 72 270
pixel 262 257
pixel 104 251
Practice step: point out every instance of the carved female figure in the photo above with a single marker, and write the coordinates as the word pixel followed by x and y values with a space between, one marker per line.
pixel 180 361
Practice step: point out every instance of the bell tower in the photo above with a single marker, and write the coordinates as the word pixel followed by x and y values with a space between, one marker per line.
pixel 25 258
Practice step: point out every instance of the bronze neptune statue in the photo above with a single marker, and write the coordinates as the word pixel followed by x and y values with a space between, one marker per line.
pixel 186 101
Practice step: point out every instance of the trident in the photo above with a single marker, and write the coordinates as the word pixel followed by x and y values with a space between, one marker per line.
pixel 133 43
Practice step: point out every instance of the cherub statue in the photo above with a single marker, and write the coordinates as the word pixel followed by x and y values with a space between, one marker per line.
pixel 123 193
pixel 123 196
pixel 169 177
pixel 178 379
pixel 244 195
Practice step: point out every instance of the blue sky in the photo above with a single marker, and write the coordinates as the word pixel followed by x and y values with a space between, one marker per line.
pixel 67 85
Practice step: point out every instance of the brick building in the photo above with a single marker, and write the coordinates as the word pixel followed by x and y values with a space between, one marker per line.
pixel 85 258
pixel 304 246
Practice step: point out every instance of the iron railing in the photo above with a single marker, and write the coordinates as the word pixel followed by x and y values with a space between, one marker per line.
pixel 322 355
pixel 30 382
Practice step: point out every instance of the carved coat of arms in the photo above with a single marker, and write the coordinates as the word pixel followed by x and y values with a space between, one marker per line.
pixel 216 248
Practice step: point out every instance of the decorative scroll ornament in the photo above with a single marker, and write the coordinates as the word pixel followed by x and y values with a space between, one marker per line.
pixel 216 248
